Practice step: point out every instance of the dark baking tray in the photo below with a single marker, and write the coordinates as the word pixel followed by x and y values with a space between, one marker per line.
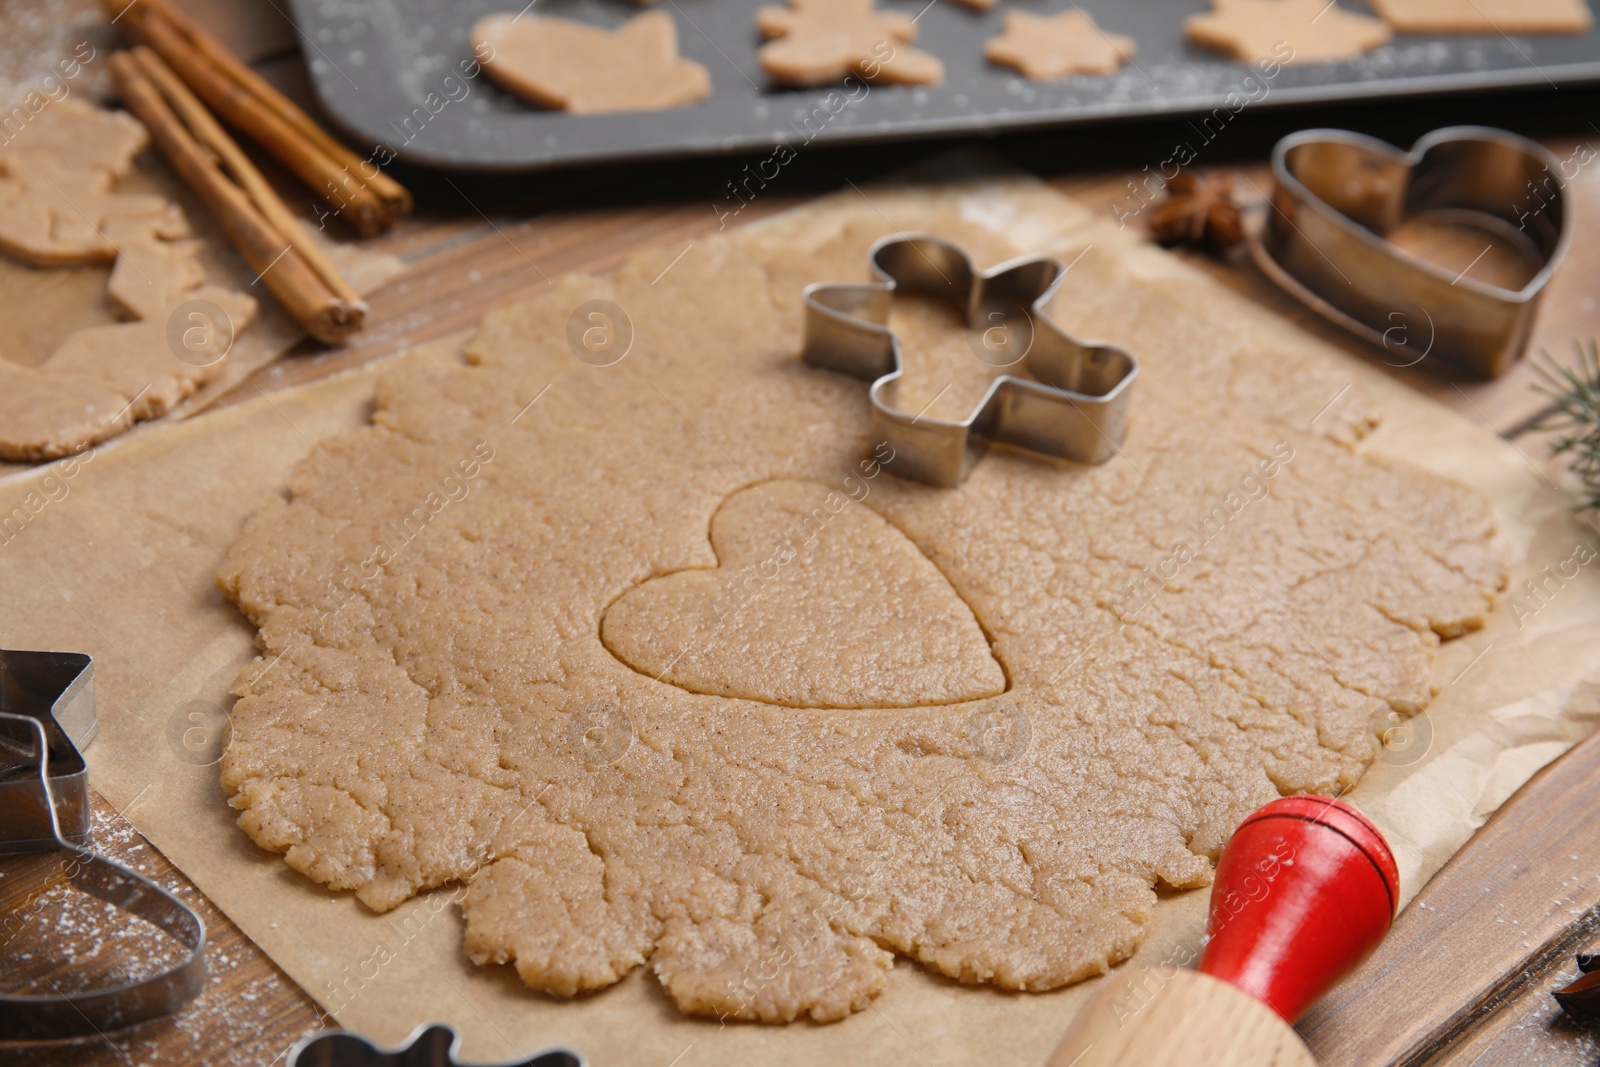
pixel 376 62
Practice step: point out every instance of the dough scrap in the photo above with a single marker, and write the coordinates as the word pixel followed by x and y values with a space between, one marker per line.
pixel 153 269
pixel 101 381
pixel 585 69
pixel 1485 16
pixel 433 655
pixel 1058 46
pixel 819 42
pixel 1318 31
pixel 57 208
pixel 55 186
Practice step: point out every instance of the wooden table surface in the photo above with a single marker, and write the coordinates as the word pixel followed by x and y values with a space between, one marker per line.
pixel 477 244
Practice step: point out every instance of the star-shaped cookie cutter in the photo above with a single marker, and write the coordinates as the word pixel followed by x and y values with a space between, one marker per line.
pixel 1074 407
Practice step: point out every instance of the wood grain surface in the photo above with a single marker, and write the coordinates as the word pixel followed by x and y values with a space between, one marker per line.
pixel 249 1012
pixel 1464 977
pixel 1485 942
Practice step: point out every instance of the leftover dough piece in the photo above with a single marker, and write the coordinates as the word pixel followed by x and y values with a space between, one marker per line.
pixel 101 381
pixel 54 212
pixel 56 176
pixel 1485 16
pixel 816 602
pixel 819 42
pixel 587 69
pixel 432 647
pixel 57 207
pixel 1314 31
pixel 152 270
pixel 1057 46
pixel 81 135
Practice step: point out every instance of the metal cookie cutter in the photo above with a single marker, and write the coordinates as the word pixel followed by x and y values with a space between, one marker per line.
pixel 434 1045
pixel 1077 409
pixel 1340 194
pixel 46 716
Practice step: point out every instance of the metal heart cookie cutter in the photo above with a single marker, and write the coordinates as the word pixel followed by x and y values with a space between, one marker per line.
pixel 1076 409
pixel 46 716
pixel 1339 195
pixel 433 1045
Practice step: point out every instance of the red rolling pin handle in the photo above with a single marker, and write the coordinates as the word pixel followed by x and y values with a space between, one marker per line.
pixel 1305 890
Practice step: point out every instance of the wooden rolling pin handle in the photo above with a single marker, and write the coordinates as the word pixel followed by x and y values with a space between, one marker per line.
pixel 1305 889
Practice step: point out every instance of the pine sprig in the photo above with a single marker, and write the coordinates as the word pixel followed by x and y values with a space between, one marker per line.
pixel 1575 390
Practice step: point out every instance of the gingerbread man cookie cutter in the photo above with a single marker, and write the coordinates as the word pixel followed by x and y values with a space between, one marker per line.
pixel 46 716
pixel 1074 406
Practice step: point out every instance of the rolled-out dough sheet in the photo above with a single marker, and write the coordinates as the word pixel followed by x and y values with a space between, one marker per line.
pixel 837 716
pixel 118 558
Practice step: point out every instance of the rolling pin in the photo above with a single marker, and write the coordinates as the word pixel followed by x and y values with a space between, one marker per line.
pixel 1304 891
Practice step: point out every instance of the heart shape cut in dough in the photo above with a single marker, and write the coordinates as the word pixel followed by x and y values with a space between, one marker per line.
pixel 1339 197
pixel 817 602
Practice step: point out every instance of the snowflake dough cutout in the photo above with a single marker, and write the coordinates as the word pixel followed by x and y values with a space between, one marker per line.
pixel 1045 47
pixel 587 70
pixel 819 42
pixel 1317 31
pixel 57 208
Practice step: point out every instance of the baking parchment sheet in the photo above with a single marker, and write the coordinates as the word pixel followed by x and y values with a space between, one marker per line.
pixel 118 561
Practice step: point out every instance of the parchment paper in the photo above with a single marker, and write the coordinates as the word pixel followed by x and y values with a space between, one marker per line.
pixel 119 563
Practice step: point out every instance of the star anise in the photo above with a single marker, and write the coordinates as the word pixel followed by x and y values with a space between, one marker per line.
pixel 1581 999
pixel 1200 210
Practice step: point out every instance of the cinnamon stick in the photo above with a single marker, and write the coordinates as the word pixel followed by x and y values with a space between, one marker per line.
pixel 278 126
pixel 238 165
pixel 394 195
pixel 290 278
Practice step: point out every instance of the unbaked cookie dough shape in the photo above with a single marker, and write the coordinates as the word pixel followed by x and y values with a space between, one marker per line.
pixel 1485 16
pixel 56 209
pixel 816 602
pixel 583 69
pixel 820 42
pixel 1058 46
pixel 1288 31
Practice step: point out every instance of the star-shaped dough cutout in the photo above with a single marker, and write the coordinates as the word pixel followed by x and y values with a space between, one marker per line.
pixel 819 42
pixel 1315 31
pixel 585 69
pixel 1043 47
